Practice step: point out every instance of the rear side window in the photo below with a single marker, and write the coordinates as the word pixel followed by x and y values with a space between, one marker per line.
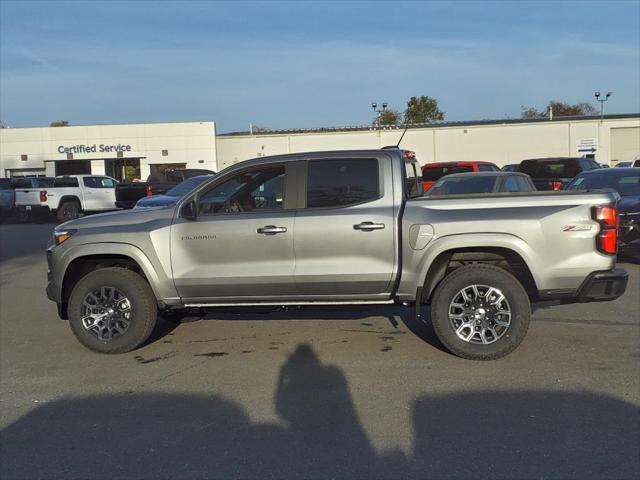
pixel 338 183
pixel 21 183
pixel 488 168
pixel 65 182
pixel 431 174
pixel 561 168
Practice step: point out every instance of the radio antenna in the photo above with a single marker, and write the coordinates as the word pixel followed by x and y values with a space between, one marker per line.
pixel 402 136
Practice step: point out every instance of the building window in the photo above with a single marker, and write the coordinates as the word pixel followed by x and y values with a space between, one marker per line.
pixel 165 153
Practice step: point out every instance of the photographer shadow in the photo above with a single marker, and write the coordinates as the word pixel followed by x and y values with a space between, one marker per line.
pixel 497 434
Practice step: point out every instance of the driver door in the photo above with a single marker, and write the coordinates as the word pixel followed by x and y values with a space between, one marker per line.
pixel 240 246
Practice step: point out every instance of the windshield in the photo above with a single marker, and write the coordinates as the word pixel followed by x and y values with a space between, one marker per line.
pixel 431 174
pixel 463 186
pixel 186 186
pixel 625 183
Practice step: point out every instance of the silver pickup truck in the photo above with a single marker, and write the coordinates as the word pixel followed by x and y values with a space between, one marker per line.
pixel 337 228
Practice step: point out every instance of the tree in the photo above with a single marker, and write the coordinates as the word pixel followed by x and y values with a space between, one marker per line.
pixel 560 109
pixel 389 116
pixel 59 123
pixel 422 109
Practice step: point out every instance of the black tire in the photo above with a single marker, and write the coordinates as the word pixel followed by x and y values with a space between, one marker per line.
pixel 68 210
pixel 144 309
pixel 491 276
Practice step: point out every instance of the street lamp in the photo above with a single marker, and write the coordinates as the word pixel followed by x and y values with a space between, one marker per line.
pixel 374 105
pixel 602 100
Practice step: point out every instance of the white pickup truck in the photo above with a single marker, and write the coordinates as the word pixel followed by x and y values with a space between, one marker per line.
pixel 70 196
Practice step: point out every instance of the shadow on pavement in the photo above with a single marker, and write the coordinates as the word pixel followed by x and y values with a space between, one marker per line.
pixel 421 327
pixel 526 434
pixel 20 240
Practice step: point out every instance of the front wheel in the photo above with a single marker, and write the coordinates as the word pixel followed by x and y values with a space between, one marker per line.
pixel 112 310
pixel 480 312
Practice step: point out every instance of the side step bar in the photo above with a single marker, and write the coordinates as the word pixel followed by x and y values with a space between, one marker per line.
pixel 282 304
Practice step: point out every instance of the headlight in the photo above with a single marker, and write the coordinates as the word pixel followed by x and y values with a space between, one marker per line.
pixel 61 236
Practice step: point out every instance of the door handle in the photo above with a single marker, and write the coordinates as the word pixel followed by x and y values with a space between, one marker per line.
pixel 271 230
pixel 368 226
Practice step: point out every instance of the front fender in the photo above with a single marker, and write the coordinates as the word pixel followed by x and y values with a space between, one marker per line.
pixel 416 263
pixel 162 286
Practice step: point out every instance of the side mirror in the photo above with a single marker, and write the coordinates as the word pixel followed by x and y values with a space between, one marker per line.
pixel 189 210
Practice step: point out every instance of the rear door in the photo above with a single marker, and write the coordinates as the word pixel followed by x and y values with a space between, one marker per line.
pixel 240 246
pixel 344 232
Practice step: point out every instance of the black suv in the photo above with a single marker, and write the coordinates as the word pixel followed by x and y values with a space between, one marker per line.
pixel 555 173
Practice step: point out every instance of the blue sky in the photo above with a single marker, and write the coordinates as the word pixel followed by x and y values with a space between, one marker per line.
pixel 308 64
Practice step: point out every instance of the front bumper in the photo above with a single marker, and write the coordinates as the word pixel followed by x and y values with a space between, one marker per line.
pixel 603 286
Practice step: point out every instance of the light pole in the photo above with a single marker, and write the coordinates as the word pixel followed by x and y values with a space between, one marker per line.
pixel 374 105
pixel 602 100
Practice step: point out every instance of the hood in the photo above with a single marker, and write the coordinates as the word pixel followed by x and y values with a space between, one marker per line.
pixel 629 204
pixel 156 201
pixel 120 218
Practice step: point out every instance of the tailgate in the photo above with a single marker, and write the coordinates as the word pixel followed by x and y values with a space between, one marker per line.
pixel 130 192
pixel 28 196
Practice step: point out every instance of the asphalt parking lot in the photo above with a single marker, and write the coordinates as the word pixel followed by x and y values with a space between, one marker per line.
pixel 312 394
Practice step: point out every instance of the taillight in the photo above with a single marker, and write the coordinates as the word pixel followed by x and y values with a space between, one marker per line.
pixel 556 185
pixel 607 239
pixel 43 195
pixel 149 190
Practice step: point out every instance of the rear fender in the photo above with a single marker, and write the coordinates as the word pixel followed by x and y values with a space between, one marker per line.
pixel 476 241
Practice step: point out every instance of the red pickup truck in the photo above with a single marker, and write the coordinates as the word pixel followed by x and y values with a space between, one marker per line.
pixel 432 172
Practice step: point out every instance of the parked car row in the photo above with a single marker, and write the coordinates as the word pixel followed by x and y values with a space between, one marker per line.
pixel 546 174
pixel 70 196
pixel 129 193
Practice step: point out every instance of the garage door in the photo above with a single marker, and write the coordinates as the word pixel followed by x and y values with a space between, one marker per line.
pixel 625 143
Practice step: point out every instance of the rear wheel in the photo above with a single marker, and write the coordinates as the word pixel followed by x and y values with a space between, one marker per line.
pixel 112 310
pixel 68 211
pixel 480 312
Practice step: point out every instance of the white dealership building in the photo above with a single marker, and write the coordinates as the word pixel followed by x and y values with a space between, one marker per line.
pixel 137 150
pixel 120 151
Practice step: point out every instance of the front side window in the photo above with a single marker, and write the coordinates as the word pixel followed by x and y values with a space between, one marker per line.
pixel 250 191
pixel 98 182
pixel 338 183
